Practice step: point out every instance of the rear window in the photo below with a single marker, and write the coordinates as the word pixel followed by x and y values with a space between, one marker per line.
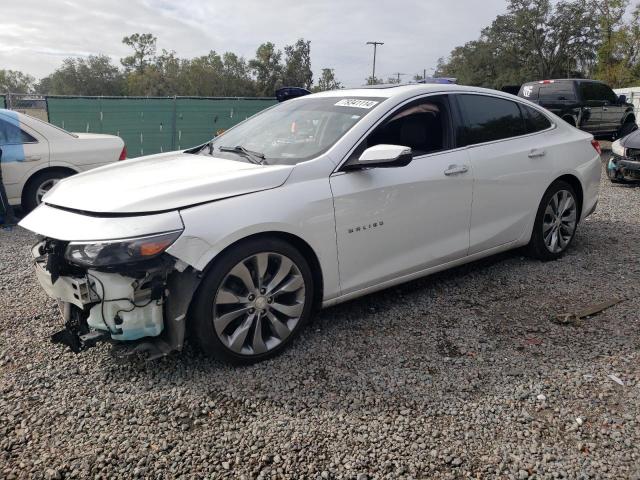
pixel 489 118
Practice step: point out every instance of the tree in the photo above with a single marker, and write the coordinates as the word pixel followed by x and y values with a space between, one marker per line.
pixel 267 68
pixel 373 81
pixel 618 62
pixel 236 81
pixel 297 65
pixel 14 81
pixel 533 40
pixel 144 50
pixel 93 75
pixel 327 81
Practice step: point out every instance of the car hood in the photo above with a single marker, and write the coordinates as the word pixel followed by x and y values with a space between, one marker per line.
pixel 163 182
pixel 632 140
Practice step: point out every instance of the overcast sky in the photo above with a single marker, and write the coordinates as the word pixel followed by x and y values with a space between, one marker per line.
pixel 35 35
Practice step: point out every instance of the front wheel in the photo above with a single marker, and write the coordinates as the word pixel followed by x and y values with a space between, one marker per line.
pixel 556 222
pixel 627 128
pixel 253 302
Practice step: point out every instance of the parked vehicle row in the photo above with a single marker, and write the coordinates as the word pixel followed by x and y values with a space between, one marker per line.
pixel 589 105
pixel 36 155
pixel 312 202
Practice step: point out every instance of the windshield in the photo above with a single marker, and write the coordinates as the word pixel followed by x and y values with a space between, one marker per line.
pixel 295 130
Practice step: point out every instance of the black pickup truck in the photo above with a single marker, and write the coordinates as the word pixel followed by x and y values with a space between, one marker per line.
pixel 587 104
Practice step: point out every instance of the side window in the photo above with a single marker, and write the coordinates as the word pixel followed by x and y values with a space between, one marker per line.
pixel 11 134
pixel 488 118
pixel 530 92
pixel 607 94
pixel 593 91
pixel 557 92
pixel 421 125
pixel 534 120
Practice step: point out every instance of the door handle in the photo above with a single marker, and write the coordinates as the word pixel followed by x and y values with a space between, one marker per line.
pixel 32 158
pixel 456 169
pixel 605 109
pixel 537 153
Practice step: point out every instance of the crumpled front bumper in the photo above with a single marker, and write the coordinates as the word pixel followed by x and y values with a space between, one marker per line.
pixel 623 168
pixel 145 309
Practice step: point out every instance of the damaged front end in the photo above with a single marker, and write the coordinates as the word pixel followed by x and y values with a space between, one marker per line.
pixel 127 291
pixel 624 164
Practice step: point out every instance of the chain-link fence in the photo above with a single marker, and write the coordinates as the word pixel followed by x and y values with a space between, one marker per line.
pixel 31 104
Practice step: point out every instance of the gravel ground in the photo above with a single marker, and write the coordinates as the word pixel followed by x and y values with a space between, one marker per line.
pixel 462 374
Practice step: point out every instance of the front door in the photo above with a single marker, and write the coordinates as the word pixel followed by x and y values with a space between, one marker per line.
pixel 392 222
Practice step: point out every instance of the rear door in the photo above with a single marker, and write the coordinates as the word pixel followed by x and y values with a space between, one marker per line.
pixel 593 103
pixel 510 163
pixel 24 151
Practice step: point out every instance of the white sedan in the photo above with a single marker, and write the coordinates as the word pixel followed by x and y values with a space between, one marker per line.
pixel 312 202
pixel 36 155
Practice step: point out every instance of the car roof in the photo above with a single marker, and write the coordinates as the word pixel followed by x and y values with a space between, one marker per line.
pixel 562 80
pixel 405 90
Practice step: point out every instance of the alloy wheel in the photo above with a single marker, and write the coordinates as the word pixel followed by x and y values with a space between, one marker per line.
pixel 259 303
pixel 559 222
pixel 44 188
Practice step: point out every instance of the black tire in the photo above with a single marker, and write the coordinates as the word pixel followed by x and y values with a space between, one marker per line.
pixel 537 247
pixel 203 331
pixel 30 195
pixel 627 128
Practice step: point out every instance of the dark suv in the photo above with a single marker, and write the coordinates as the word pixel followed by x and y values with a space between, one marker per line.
pixel 587 104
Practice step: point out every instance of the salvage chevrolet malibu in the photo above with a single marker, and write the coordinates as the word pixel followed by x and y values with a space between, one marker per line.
pixel 312 202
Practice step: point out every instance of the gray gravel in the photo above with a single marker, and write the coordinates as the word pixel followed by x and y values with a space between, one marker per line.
pixel 463 374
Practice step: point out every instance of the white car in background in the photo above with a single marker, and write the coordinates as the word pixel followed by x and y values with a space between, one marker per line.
pixel 312 202
pixel 36 155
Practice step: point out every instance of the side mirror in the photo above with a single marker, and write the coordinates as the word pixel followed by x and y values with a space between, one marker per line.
pixel 622 99
pixel 383 156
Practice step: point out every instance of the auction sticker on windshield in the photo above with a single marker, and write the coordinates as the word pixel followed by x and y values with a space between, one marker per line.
pixel 356 103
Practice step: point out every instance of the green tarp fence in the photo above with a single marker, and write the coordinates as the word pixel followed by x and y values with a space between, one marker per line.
pixel 153 125
pixel 2 101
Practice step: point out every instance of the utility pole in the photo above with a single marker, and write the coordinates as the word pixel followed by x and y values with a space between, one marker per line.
pixel 375 48
pixel 398 74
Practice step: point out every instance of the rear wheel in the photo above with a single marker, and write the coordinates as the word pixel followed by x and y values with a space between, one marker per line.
pixel 556 222
pixel 253 302
pixel 38 187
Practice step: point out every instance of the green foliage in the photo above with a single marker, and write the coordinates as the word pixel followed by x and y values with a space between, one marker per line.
pixel 93 75
pixel 297 68
pixel 144 50
pixel 538 39
pixel 267 68
pixel 13 81
pixel 327 81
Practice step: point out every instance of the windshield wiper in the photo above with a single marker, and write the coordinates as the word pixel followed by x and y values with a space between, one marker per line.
pixel 254 157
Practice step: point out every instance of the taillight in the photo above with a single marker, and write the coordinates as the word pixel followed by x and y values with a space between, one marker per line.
pixel 596 145
pixel 123 153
